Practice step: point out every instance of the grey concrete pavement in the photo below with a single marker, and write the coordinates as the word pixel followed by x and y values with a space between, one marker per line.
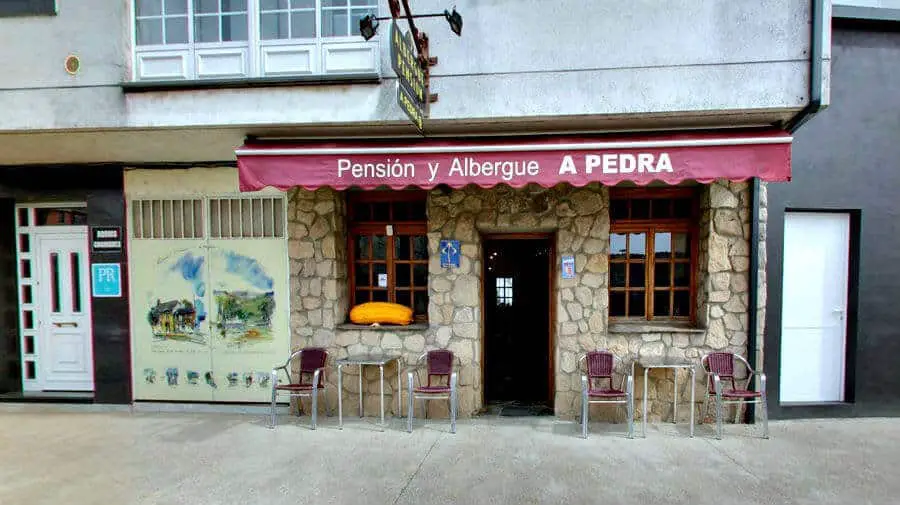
pixel 52 456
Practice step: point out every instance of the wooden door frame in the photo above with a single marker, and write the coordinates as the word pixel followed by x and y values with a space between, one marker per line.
pixel 550 237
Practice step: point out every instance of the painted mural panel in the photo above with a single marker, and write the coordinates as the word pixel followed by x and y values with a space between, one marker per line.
pixel 249 315
pixel 170 319
pixel 210 318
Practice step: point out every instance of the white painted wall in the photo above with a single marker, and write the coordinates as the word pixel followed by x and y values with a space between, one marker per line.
pixel 534 62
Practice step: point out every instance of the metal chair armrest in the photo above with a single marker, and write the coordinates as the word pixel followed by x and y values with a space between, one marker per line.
pixel 717 384
pixel 286 372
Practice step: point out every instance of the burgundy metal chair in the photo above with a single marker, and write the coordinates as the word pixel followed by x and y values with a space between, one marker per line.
pixel 600 367
pixel 720 367
pixel 310 380
pixel 439 384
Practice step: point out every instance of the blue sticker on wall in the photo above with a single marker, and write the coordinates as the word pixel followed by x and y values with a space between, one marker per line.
pixel 449 253
pixel 106 280
pixel 568 267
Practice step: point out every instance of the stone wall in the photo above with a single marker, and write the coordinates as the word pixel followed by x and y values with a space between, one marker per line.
pixel 722 299
pixel 580 220
pixel 578 217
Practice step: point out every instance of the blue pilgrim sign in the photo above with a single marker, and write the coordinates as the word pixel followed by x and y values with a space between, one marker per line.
pixel 449 253
pixel 106 280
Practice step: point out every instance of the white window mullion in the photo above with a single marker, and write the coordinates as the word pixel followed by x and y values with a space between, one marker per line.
pixel 320 57
pixel 254 33
pixel 192 55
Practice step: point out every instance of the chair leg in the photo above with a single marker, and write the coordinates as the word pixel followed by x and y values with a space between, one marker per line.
pixel 315 409
pixel 274 392
pixel 584 407
pixel 765 405
pixel 327 408
pixel 410 406
pixel 454 402
pixel 629 390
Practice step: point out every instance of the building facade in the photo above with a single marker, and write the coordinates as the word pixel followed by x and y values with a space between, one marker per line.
pixel 637 229
pixel 830 343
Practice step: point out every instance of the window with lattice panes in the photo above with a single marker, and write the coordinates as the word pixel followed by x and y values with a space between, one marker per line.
pixel 652 254
pixel 389 249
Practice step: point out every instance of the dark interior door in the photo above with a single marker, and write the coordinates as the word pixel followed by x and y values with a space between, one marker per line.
pixel 517 320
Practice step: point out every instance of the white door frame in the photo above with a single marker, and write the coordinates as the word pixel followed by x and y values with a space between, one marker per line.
pixel 28 273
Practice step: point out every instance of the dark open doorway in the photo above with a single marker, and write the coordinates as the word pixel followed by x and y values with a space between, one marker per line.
pixel 518 363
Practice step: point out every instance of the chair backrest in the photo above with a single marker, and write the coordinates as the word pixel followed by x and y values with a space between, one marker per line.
pixel 439 363
pixel 600 365
pixel 722 364
pixel 311 359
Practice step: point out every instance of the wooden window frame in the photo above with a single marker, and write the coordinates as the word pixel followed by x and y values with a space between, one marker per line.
pixel 400 228
pixel 650 227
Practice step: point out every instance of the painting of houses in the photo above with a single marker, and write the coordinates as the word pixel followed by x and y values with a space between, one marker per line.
pixel 244 317
pixel 175 320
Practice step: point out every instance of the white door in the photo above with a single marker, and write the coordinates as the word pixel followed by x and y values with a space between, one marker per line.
pixel 66 357
pixel 814 307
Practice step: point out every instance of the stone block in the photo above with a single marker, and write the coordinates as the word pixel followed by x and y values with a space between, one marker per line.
pixel 734 322
pixel 568 328
pixel 462 349
pixel 596 322
pixel 314 317
pixel 319 228
pixel 468 331
pixel 583 225
pixel 575 310
pixel 301 249
pixel 391 341
pixel 722 197
pixel 597 263
pixel 465 291
pixel 463 315
pixel 594 246
pixel 414 342
pixel 584 295
pixel 593 280
pixel 312 302
pixel 322 338
pixel 586 202
pixel 345 338
pixel 715 335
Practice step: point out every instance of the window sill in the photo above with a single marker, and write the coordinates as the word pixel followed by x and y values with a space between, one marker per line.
pixel 390 328
pixel 653 327
pixel 248 82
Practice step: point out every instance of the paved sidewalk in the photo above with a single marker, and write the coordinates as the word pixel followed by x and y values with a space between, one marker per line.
pixel 53 457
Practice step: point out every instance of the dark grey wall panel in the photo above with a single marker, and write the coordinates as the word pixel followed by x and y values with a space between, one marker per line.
pixel 112 345
pixel 10 369
pixel 848 158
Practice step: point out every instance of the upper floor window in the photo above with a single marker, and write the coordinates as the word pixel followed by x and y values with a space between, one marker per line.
pixel 197 39
pixel 27 8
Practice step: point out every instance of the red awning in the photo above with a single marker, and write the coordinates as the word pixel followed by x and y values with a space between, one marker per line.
pixel 517 162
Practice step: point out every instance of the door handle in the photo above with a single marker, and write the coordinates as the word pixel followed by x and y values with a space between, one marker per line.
pixel 70 324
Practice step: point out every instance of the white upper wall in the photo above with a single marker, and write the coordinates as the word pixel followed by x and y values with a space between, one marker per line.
pixel 517 60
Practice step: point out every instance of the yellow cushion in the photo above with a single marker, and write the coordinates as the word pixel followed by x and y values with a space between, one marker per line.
pixel 381 313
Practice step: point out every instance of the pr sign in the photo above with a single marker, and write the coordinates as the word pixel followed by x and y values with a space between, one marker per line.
pixel 106 280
